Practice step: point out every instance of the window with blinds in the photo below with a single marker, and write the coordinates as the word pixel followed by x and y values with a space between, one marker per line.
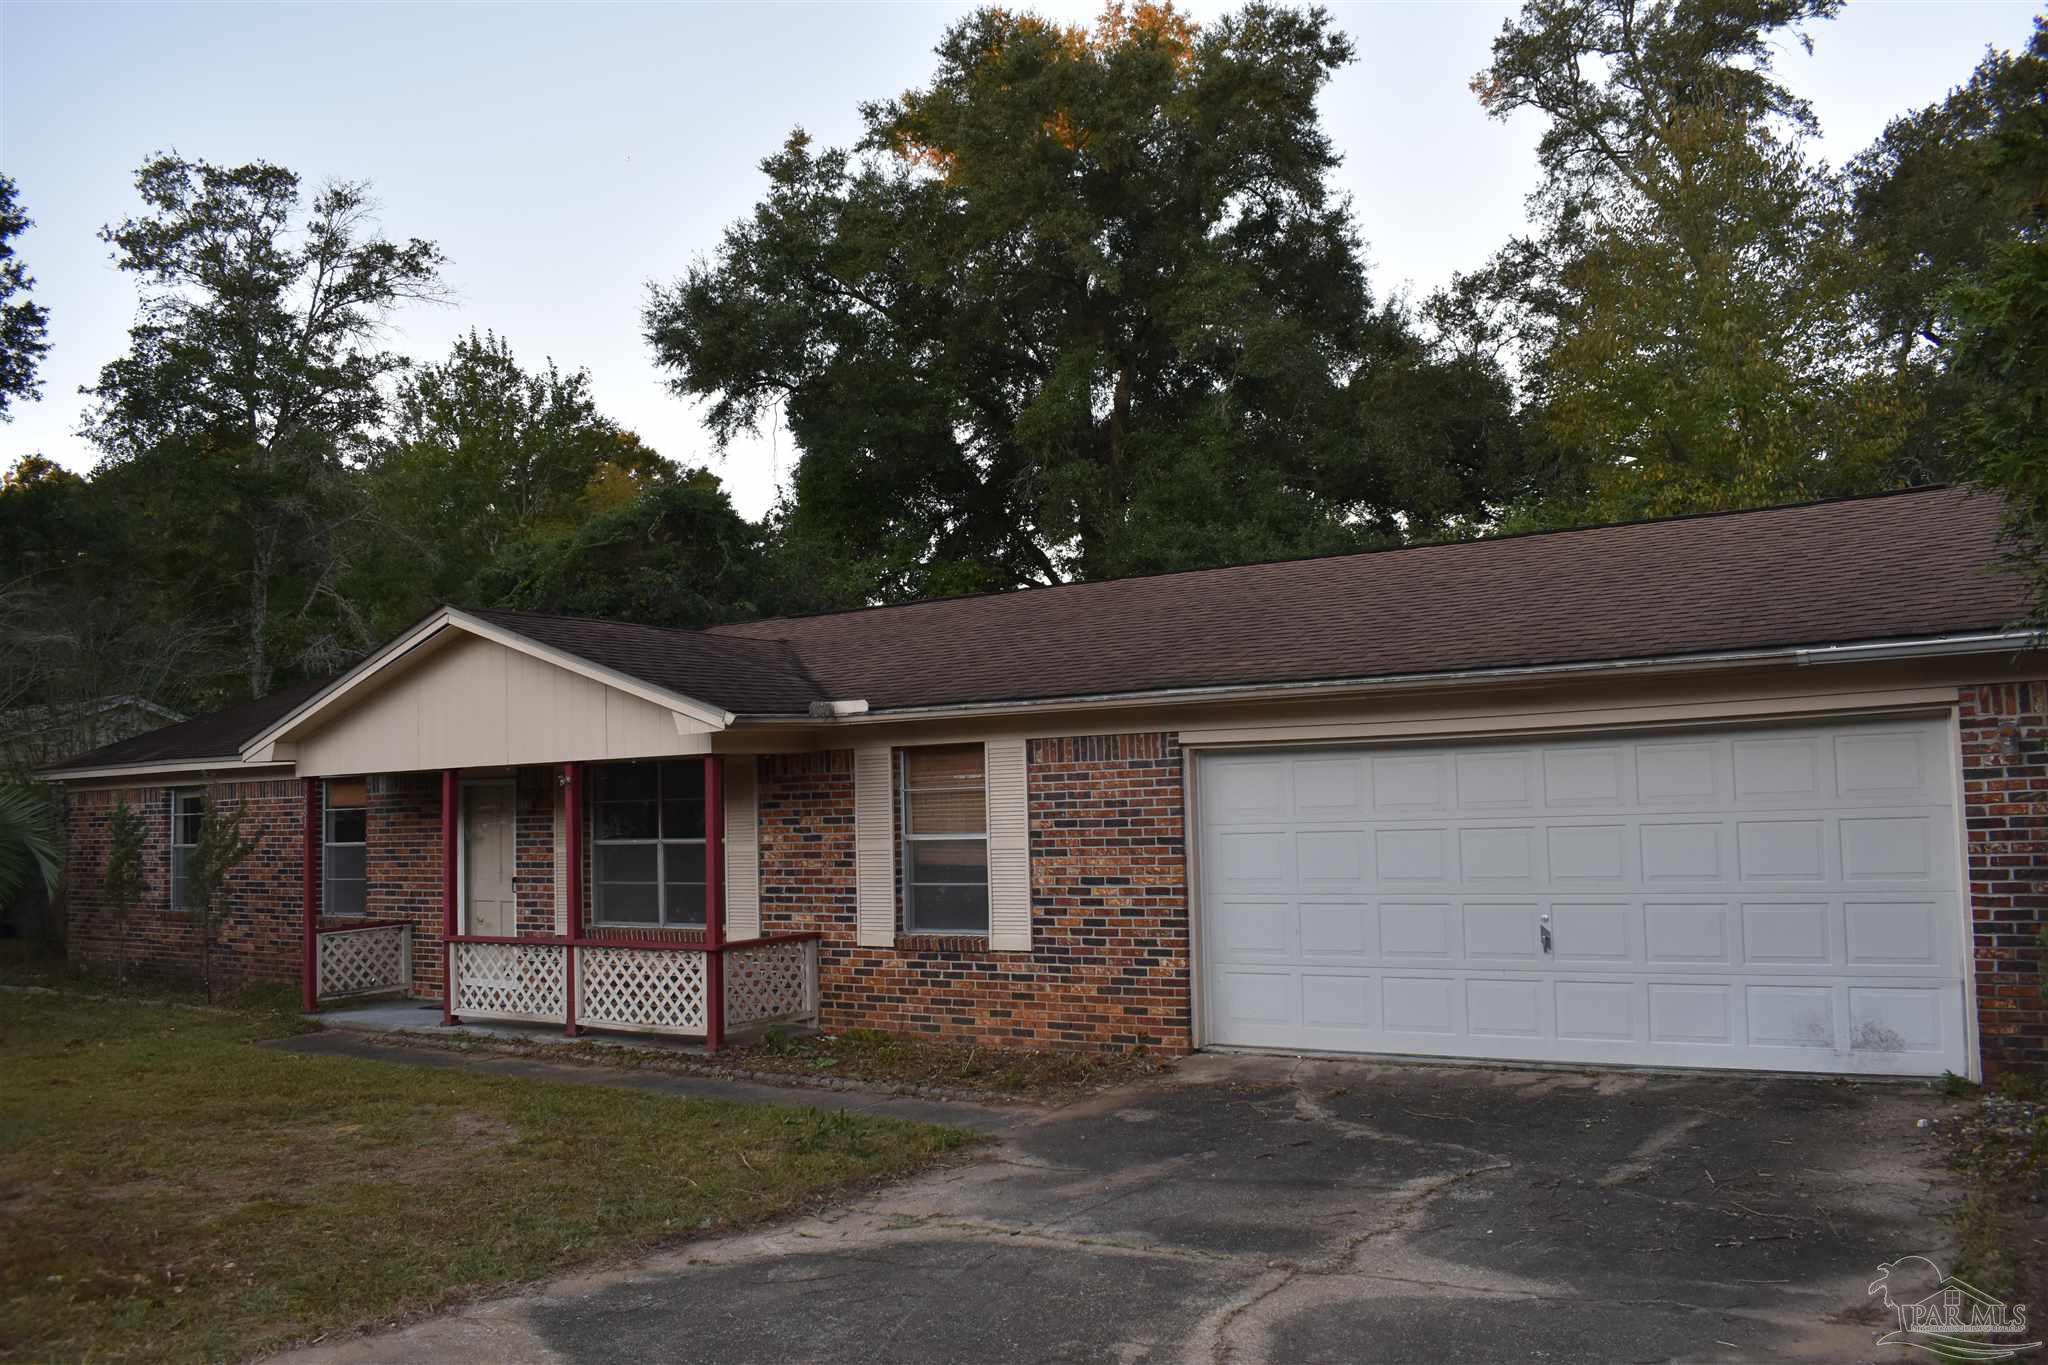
pixel 944 800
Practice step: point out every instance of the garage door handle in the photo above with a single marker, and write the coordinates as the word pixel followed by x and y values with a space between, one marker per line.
pixel 1544 930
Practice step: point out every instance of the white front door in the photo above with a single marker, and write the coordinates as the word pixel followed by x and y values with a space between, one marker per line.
pixel 1770 898
pixel 488 858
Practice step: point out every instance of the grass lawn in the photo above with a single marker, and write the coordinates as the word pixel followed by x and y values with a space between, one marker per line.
pixel 169 1191
pixel 871 1055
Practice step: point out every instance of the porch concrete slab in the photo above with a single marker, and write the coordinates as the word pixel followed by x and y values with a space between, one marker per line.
pixel 1262 1209
pixel 365 1046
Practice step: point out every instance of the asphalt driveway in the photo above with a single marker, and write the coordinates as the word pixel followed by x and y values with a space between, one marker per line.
pixel 1263 1209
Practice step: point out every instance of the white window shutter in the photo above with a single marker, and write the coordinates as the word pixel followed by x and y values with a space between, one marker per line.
pixel 1009 847
pixel 561 863
pixel 874 845
pixel 742 848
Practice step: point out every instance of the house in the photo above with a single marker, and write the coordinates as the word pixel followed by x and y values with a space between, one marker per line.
pixel 31 736
pixel 1759 790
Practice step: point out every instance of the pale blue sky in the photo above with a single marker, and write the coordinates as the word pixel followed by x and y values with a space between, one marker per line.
pixel 565 155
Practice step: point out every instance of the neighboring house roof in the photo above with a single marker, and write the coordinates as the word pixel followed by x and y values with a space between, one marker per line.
pixel 1853 571
pixel 216 736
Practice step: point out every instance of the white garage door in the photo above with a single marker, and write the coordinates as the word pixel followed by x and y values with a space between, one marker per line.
pixel 1781 899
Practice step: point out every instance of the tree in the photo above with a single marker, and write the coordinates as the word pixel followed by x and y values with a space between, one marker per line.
pixel 1941 193
pixel 252 388
pixel 1683 316
pixel 121 878
pixel 24 324
pixel 678 555
pixel 483 454
pixel 2000 349
pixel 1085 304
pixel 28 841
pixel 219 849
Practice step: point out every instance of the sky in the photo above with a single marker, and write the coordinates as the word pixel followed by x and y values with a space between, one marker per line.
pixel 564 156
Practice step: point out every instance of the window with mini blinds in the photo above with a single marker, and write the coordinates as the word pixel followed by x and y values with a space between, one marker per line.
pixel 943 796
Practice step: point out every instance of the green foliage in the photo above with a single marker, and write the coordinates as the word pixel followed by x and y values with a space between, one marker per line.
pixel 1685 313
pixel 1084 304
pixel 252 386
pixel 24 324
pixel 220 848
pixel 483 454
pixel 2001 350
pixel 121 878
pixel 1936 198
pixel 29 842
pixel 676 555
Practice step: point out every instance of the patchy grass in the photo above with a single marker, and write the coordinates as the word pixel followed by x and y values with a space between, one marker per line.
pixel 1999 1145
pixel 894 1058
pixel 172 1192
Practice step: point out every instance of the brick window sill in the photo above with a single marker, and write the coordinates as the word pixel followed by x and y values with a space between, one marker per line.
pixel 942 943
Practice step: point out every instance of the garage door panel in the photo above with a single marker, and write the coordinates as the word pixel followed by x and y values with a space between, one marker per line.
pixel 1505 1007
pixel 1495 780
pixel 1503 931
pixel 1586 776
pixel 1593 932
pixel 1683 851
pixel 1419 929
pixel 1894 933
pixel 1779 932
pixel 1779 898
pixel 1333 931
pixel 1590 855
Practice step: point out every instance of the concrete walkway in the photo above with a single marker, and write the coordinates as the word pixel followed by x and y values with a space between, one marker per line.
pixel 1263 1209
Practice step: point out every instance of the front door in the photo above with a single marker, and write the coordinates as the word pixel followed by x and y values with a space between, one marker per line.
pixel 489 906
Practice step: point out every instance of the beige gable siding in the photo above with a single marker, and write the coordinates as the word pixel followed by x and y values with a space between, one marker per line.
pixel 1009 848
pixel 477 704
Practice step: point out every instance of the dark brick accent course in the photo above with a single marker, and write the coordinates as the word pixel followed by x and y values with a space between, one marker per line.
pixel 1108 966
pixel 2006 811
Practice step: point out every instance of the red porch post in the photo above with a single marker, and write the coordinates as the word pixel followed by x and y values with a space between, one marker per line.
pixel 714 902
pixel 572 853
pixel 451 807
pixel 309 891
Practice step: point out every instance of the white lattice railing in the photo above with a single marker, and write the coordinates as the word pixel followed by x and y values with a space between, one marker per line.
pixel 777 980
pixel 510 981
pixel 365 961
pixel 649 990
pixel 638 987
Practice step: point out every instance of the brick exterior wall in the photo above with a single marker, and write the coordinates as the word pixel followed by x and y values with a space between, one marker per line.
pixel 402 866
pixel 258 935
pixel 2006 814
pixel 1108 966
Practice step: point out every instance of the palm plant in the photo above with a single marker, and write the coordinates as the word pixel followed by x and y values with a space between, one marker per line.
pixel 28 842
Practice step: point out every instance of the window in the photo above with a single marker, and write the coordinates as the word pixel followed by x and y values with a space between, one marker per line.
pixel 343 851
pixel 945 841
pixel 648 843
pixel 188 808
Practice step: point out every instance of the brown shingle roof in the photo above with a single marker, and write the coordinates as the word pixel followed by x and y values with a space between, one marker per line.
pixel 1904 564
pixel 1917 563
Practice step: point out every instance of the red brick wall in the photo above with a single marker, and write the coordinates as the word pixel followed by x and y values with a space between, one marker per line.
pixel 258 935
pixel 1108 967
pixel 2006 812
pixel 402 866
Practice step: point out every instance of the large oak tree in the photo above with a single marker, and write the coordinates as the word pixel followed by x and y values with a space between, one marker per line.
pixel 1084 304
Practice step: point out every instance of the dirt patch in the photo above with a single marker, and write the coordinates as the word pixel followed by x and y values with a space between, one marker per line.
pixel 476 1130
pixel 893 1058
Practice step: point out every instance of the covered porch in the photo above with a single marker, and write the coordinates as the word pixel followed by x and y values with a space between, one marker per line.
pixel 536 840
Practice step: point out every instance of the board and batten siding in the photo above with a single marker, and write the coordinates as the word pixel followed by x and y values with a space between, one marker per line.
pixel 477 704
pixel 742 847
pixel 1009 846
